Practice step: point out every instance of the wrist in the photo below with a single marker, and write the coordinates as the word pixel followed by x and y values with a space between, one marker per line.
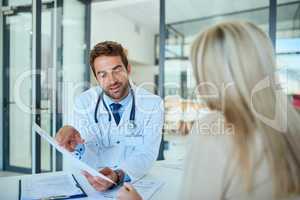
pixel 120 176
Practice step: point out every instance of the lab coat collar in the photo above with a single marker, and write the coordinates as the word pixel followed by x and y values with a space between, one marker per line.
pixel 124 102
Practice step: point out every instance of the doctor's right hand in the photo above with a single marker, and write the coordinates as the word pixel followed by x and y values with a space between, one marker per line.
pixel 68 137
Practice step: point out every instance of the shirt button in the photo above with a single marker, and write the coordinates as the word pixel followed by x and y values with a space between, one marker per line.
pixel 118 142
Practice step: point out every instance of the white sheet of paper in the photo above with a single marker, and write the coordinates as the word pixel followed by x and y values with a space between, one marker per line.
pixel 78 163
pixel 147 188
pixel 39 187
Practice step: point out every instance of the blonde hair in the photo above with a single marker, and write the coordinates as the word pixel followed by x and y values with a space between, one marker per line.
pixel 242 54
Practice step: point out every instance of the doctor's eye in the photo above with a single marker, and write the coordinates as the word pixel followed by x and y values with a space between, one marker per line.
pixel 102 74
pixel 118 69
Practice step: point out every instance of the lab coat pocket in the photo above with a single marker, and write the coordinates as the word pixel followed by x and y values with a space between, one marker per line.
pixel 133 140
pixel 128 151
pixel 134 137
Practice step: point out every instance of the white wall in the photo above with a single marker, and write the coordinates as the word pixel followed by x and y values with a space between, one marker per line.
pixel 1 93
pixel 109 25
pixel 73 53
pixel 143 76
pixel 73 58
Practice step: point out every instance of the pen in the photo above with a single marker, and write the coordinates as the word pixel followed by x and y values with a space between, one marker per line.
pixel 55 197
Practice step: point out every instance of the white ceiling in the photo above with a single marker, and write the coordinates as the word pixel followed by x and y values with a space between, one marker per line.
pixel 142 12
pixel 178 10
pixel 146 12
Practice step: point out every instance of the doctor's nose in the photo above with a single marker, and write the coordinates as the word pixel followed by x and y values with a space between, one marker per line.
pixel 111 79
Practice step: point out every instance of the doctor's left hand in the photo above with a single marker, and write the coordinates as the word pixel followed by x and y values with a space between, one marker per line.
pixel 100 184
pixel 68 137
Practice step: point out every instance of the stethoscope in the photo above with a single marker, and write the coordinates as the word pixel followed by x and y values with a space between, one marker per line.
pixel 131 124
pixel 80 149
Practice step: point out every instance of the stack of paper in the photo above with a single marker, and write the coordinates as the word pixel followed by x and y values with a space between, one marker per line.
pixel 45 186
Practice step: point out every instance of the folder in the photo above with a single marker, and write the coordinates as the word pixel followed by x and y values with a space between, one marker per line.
pixel 27 190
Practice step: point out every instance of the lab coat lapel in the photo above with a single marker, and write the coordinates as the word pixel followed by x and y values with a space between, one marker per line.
pixel 103 118
pixel 126 115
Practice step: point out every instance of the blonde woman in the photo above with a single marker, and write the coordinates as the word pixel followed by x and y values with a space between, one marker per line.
pixel 248 147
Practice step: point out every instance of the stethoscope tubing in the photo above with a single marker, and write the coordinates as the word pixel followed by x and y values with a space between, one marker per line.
pixel 132 112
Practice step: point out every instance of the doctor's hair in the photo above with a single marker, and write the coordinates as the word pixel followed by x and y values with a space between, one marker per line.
pixel 108 48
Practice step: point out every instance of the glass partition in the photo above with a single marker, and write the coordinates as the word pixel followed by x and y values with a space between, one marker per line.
pixel 288 49
pixel 288 44
pixel 17 47
pixel 184 21
pixel 18 30
pixel 47 68
pixel 63 58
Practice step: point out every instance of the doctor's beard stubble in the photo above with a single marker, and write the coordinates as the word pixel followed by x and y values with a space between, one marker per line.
pixel 122 91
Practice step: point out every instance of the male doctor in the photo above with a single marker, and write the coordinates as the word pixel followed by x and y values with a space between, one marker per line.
pixel 116 126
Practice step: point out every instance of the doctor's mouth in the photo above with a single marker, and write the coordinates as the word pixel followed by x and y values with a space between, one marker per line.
pixel 115 88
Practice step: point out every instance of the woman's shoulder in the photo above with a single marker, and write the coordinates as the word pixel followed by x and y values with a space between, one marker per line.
pixel 208 154
pixel 210 138
pixel 212 126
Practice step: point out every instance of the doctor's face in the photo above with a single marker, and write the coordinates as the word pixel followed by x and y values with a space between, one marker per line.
pixel 112 76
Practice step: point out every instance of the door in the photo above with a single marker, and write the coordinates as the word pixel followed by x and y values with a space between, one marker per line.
pixel 17 26
pixel 49 47
pixel 17 87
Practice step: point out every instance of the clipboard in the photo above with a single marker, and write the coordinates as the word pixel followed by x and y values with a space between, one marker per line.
pixel 83 194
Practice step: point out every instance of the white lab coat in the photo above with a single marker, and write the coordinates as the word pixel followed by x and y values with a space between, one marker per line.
pixel 132 151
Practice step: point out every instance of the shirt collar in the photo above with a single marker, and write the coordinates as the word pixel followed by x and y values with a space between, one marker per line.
pixel 124 102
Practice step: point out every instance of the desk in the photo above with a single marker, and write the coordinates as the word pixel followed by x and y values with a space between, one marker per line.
pixel 9 186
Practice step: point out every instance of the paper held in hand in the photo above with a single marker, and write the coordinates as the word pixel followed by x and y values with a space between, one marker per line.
pixel 81 165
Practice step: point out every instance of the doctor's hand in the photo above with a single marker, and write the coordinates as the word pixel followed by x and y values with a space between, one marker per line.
pixel 68 137
pixel 100 184
pixel 127 192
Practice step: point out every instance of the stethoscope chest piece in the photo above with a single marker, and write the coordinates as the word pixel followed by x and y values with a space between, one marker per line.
pixel 131 125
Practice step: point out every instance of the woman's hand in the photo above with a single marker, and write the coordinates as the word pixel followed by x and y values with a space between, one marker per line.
pixel 127 192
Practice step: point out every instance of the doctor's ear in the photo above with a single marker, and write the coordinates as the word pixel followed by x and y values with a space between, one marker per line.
pixel 128 68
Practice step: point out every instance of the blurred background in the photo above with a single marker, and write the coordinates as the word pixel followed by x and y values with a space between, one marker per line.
pixel 52 38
